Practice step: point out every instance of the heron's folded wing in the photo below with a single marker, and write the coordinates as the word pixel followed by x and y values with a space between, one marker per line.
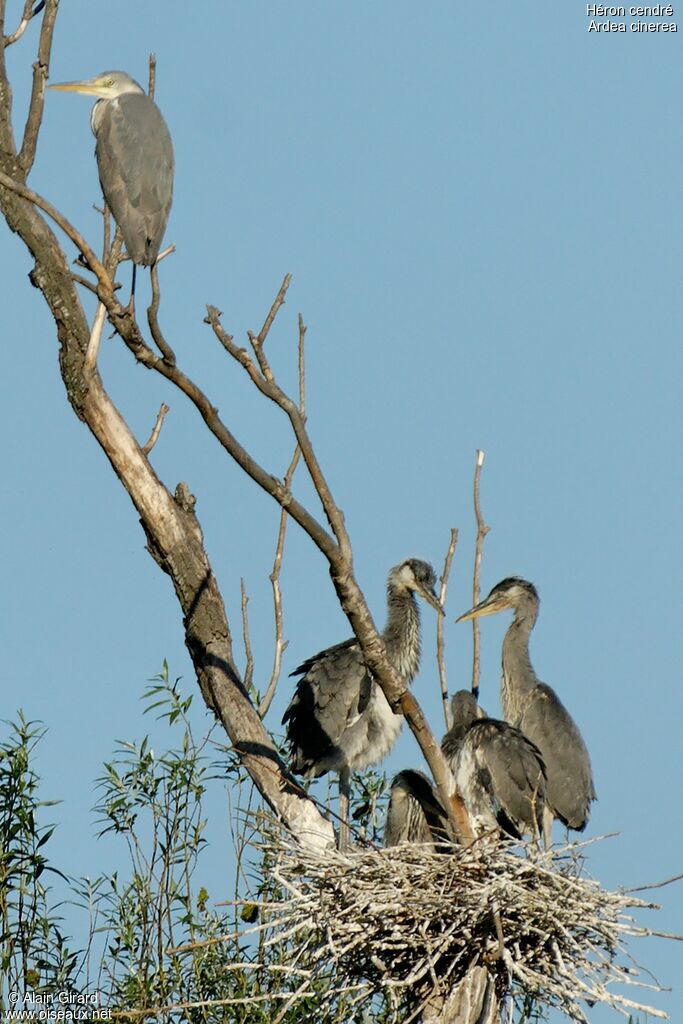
pixel 548 724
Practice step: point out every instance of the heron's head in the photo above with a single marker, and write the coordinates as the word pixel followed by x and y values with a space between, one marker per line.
pixel 106 86
pixel 418 577
pixel 513 592
pixel 465 710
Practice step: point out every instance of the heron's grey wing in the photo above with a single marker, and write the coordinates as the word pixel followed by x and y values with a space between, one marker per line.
pixel 452 742
pixel 414 813
pixel 328 652
pixel 516 775
pixel 135 163
pixel 329 697
pixel 435 816
pixel 465 711
pixel 569 787
pixel 405 821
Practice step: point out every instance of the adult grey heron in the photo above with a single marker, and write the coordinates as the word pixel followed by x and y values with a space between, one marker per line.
pixel 339 719
pixel 536 709
pixel 414 814
pixel 498 772
pixel 134 159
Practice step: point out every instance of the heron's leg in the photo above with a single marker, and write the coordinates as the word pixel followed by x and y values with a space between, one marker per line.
pixel 131 301
pixel 344 795
pixel 547 827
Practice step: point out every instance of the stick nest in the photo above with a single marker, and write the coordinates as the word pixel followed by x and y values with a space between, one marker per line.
pixel 402 922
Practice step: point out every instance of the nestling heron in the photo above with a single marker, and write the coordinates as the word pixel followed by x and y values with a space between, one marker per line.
pixel 339 719
pixel 134 159
pixel 535 708
pixel 414 814
pixel 498 772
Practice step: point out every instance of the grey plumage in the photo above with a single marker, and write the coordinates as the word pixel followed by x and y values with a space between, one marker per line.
pixel 414 814
pixel 339 719
pixel 134 160
pixel 498 772
pixel 536 709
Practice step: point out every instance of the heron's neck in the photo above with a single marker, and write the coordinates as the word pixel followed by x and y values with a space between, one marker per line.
pixel 401 634
pixel 519 678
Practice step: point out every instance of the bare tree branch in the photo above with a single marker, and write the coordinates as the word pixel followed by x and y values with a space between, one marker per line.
pixel 61 221
pixel 40 73
pixel 440 659
pixel 268 387
pixel 482 530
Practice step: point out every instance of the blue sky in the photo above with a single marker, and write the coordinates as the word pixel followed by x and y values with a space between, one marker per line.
pixel 481 208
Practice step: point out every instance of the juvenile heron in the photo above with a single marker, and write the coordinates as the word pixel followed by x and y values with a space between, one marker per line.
pixel 414 814
pixel 339 719
pixel 536 709
pixel 134 160
pixel 498 772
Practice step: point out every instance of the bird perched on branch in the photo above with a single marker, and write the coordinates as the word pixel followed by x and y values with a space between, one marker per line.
pixel 498 772
pixel 339 719
pixel 134 159
pixel 535 708
pixel 414 814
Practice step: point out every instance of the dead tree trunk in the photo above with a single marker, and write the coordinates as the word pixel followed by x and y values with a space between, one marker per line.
pixel 473 1001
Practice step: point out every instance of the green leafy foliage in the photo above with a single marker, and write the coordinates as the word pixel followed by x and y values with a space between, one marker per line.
pixel 33 951
pixel 155 941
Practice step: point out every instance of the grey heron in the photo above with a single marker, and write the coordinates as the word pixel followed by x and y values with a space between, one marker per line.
pixel 498 772
pixel 339 719
pixel 134 159
pixel 535 708
pixel 414 814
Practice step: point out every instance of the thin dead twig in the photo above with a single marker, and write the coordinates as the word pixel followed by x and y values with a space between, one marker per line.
pixel 271 390
pixel 258 340
pixel 280 643
pixel 152 75
pixel 656 885
pixel 156 429
pixel 482 530
pixel 28 14
pixel 249 663
pixel 152 319
pixel 440 649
